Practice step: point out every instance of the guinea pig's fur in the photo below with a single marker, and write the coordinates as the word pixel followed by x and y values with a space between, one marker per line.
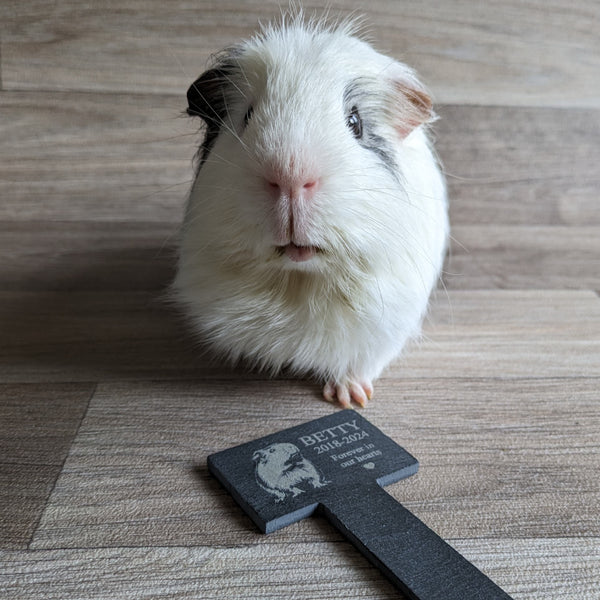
pixel 317 224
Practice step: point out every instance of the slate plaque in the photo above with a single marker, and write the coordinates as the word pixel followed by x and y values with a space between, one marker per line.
pixel 338 465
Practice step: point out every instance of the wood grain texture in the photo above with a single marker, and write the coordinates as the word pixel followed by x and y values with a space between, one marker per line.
pixel 509 52
pixel 129 158
pixel 530 569
pixel 499 401
pixel 107 335
pixel 94 157
pixel 75 256
pixel 497 256
pixel 526 166
pixel 519 458
pixel 83 336
pixel 39 423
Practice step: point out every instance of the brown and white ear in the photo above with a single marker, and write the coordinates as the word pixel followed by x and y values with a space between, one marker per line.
pixel 411 104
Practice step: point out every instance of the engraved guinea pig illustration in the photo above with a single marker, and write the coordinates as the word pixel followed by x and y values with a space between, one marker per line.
pixel 317 224
pixel 281 469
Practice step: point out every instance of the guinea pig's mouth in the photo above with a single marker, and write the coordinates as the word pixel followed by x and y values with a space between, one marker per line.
pixel 298 253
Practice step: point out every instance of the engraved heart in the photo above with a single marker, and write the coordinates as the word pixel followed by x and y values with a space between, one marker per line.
pixel 369 465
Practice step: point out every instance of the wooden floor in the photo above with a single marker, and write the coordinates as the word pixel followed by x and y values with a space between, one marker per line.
pixel 108 412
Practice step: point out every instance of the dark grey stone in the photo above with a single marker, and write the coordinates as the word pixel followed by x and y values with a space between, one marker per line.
pixel 338 465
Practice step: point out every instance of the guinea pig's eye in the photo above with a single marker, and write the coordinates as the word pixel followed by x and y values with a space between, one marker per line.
pixel 248 116
pixel 354 122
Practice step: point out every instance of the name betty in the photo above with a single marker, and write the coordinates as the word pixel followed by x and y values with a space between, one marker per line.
pixel 330 433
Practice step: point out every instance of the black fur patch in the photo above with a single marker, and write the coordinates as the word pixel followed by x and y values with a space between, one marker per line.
pixel 382 149
pixel 208 99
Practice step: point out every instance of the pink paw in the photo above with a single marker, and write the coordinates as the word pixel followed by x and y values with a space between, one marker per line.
pixel 347 392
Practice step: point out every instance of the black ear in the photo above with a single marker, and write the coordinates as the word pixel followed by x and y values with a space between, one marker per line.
pixel 207 98
pixel 207 95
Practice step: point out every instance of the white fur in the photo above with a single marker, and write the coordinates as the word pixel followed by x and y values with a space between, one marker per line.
pixel 346 313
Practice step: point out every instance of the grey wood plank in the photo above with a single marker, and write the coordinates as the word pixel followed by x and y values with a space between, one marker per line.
pixel 511 52
pixel 103 335
pixel 115 157
pixel 100 157
pixel 500 458
pixel 312 571
pixel 514 315
pixel 523 257
pixel 493 333
pixel 95 256
pixel 86 336
pixel 136 256
pixel 531 166
pixel 39 423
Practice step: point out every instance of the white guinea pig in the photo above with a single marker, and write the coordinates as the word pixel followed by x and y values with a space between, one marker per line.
pixel 317 224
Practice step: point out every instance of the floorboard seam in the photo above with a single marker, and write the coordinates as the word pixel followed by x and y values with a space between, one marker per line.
pixel 101 92
pixel 307 542
pixel 39 520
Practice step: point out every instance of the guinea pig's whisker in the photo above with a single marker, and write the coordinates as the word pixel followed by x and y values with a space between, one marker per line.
pixel 235 85
pixel 394 193
pixel 458 243
pixel 418 247
pixel 221 159
pixel 243 72
pixel 412 240
pixel 469 179
pixel 229 127
pixel 168 138
pixel 164 188
pixel 223 188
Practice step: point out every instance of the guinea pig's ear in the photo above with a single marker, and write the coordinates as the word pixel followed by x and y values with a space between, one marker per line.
pixel 207 95
pixel 412 105
pixel 207 98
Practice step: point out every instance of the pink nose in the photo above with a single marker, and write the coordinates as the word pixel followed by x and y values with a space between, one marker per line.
pixel 296 189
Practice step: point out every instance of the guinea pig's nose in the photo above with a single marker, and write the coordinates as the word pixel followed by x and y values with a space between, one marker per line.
pixel 295 189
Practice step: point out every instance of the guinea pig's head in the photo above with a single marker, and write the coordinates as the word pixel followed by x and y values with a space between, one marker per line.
pixel 305 130
pixel 274 454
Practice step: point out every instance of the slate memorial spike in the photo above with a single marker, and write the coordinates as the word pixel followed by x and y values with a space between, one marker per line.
pixel 337 465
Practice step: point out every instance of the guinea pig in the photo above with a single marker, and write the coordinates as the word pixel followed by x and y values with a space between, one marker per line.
pixel 317 223
pixel 282 471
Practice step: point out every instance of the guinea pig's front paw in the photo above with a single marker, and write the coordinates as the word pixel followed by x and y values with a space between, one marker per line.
pixel 359 391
